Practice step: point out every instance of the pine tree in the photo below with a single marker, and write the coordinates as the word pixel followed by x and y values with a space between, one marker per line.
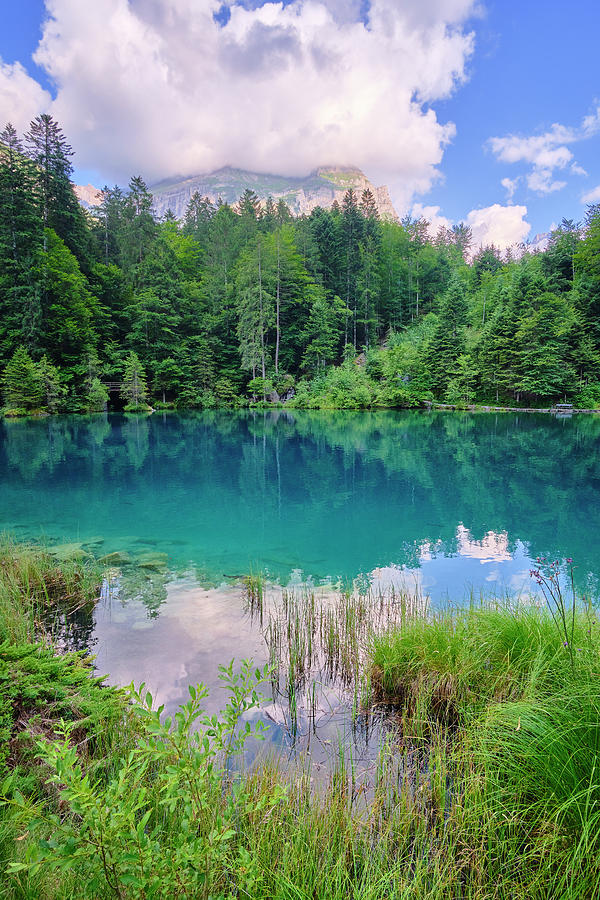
pixel 96 396
pixel 587 274
pixel 255 308
pixel 52 386
pixel 108 220
pixel 269 216
pixel 327 236
pixel 323 332
pixel 352 230
pixel 249 205
pixel 70 309
pixel 447 341
pixel 197 218
pixel 283 213
pixel 368 288
pixel 368 205
pixel 138 228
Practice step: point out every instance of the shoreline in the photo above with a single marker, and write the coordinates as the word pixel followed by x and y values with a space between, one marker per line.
pixel 429 407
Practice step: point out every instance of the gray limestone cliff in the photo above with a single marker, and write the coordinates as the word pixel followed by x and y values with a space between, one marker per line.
pixel 320 188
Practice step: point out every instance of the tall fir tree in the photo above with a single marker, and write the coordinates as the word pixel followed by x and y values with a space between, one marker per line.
pixel 47 147
pixel 21 242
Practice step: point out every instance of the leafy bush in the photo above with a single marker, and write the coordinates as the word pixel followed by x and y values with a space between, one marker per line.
pixel 40 691
pixel 342 387
pixel 589 396
pixel 158 824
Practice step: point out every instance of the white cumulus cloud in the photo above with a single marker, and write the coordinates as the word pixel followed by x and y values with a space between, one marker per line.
pixel 159 87
pixel 510 186
pixel 21 97
pixel 592 196
pixel 546 153
pixel 502 226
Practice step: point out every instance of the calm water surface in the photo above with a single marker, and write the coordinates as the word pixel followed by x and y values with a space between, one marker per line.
pixel 445 501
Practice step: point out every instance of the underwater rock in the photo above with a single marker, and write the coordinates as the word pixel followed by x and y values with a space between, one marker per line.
pixel 117 558
pixel 152 560
pixel 69 552
pixel 94 541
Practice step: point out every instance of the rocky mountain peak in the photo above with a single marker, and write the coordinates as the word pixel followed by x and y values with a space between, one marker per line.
pixel 320 188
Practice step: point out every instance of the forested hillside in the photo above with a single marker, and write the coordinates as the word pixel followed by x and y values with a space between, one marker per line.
pixel 246 304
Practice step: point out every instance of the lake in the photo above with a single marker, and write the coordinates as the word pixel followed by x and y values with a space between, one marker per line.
pixel 444 503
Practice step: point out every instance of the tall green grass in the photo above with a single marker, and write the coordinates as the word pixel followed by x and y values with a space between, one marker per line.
pixel 465 658
pixel 520 710
pixel 36 592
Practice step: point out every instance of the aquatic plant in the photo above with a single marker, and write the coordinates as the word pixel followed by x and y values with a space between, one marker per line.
pixel 38 591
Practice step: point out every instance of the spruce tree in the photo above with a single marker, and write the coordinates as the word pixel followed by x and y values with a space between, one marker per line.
pixel 48 149
pixel 255 308
pixel 22 384
pixel 134 389
pixel 323 332
pixel 108 222
pixel 447 341
pixel 53 389
pixel 352 231
pixel 197 218
pixel 21 239
pixel 96 396
pixel 138 227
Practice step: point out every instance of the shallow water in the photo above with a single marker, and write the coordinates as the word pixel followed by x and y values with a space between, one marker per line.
pixel 445 502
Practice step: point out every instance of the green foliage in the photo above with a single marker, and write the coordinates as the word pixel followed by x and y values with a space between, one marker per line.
pixel 343 387
pixel 134 388
pixel 157 825
pixel 232 293
pixel 38 692
pixel 468 659
pixel 97 396
pixel 492 791
pixel 22 383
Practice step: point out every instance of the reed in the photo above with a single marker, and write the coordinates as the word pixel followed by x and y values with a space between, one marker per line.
pixel 37 594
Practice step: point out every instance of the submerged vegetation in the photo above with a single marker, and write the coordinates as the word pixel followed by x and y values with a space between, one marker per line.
pixel 486 786
pixel 247 305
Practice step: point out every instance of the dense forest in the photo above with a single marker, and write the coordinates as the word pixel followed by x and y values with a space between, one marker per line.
pixel 249 305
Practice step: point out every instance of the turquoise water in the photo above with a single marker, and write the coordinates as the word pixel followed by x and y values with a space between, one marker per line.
pixel 444 502
pixel 452 500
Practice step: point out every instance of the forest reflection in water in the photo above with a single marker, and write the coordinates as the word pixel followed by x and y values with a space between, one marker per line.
pixel 329 494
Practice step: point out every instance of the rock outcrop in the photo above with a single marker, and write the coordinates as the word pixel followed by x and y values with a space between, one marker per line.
pixel 87 195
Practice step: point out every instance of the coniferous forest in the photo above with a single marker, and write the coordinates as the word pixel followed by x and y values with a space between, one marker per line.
pixel 247 304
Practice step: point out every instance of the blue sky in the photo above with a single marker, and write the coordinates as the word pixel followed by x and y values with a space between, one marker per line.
pixel 534 64
pixel 259 89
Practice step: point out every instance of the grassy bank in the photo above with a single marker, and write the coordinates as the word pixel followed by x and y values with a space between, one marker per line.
pixel 488 789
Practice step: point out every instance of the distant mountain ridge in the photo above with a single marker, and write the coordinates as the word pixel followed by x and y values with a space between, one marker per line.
pixel 321 188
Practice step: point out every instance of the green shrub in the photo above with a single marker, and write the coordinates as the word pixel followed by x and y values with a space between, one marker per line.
pixel 158 823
